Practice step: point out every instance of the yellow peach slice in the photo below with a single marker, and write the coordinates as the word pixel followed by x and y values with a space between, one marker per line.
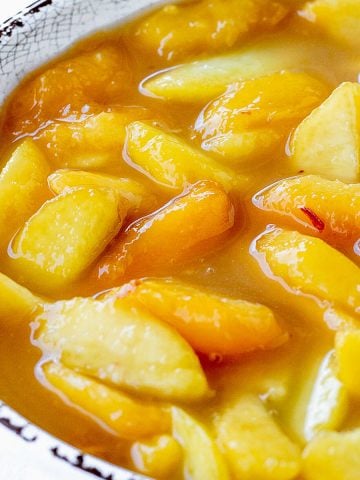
pixel 333 456
pixel 210 323
pixel 122 345
pixel 202 459
pixel 187 227
pixel 253 444
pixel 329 207
pixel 15 300
pixel 347 346
pixel 128 418
pixel 327 142
pixel 308 265
pixel 172 163
pixel 23 178
pixel 141 201
pixel 65 236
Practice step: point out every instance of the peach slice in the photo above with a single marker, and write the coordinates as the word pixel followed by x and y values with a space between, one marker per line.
pixel 210 323
pixel 253 444
pixel 65 236
pixel 329 207
pixel 172 163
pixel 253 116
pixel 15 300
pixel 307 265
pixel 122 345
pixel 189 226
pixel 128 418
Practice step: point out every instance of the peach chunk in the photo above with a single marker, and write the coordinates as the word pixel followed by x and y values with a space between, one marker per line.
pixel 347 346
pixel 72 89
pixel 333 456
pixel 95 142
pixel 15 300
pixel 210 323
pixel 65 236
pixel 185 228
pixel 120 344
pixel 338 18
pixel 158 456
pixel 172 163
pixel 202 458
pixel 253 444
pixel 126 417
pixel 141 201
pixel 329 207
pixel 309 266
pixel 23 178
pixel 327 142
pixel 252 117
pixel 177 31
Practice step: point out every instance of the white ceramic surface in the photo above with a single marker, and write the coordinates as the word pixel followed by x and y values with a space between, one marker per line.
pixel 27 40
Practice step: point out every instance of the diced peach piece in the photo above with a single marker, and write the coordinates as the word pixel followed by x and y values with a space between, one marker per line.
pixel 72 89
pixel 171 162
pixel 185 228
pixel 128 418
pixel 93 143
pixel 253 444
pixel 65 236
pixel 122 345
pixel 348 358
pixel 252 117
pixel 23 178
pixel 204 80
pixel 202 459
pixel 141 201
pixel 210 323
pixel 158 456
pixel 333 456
pixel 328 403
pixel 338 18
pixel 329 207
pixel 180 30
pixel 309 266
pixel 15 300
pixel 327 142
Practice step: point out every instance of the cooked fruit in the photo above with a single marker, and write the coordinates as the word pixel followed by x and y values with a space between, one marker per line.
pixel 177 31
pixel 210 323
pixel 307 265
pixel 329 207
pixel 187 227
pixel 253 116
pixel 327 142
pixel 204 80
pixel 65 236
pixel 338 18
pixel 253 444
pixel 141 201
pixel 348 358
pixel 333 456
pixel 125 416
pixel 202 459
pixel 23 178
pixel 157 456
pixel 122 345
pixel 15 300
pixel 96 142
pixel 172 163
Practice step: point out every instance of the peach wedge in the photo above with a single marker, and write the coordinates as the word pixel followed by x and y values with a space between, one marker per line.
pixel 328 207
pixel 64 237
pixel 122 345
pixel 210 323
pixel 128 418
pixel 309 266
pixel 187 227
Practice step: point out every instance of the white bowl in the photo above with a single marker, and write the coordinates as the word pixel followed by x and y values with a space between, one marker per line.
pixel 31 38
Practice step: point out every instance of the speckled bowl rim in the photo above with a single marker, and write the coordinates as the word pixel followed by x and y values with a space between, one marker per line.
pixel 21 37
